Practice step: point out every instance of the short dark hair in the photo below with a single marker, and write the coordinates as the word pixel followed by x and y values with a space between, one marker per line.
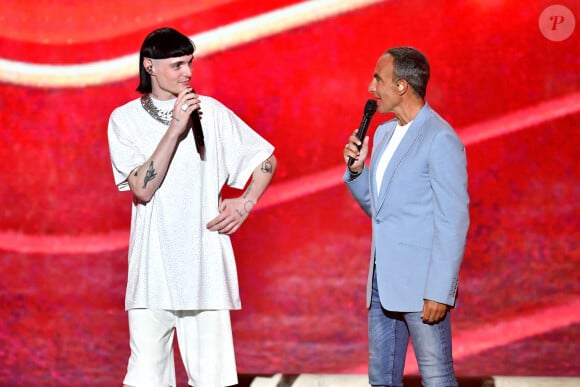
pixel 412 66
pixel 162 43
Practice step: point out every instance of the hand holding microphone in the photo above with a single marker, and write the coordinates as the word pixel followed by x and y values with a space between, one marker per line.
pixel 369 110
pixel 194 123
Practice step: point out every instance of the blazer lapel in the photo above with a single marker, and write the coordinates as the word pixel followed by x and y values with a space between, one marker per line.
pixel 379 150
pixel 411 137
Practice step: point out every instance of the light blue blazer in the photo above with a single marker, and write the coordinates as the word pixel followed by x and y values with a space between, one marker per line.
pixel 420 217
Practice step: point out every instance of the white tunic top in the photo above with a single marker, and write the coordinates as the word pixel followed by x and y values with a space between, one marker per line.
pixel 175 263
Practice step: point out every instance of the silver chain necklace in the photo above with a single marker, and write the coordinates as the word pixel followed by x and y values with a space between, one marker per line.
pixel 163 116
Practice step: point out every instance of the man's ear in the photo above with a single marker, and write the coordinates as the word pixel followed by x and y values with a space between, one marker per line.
pixel 402 86
pixel 148 64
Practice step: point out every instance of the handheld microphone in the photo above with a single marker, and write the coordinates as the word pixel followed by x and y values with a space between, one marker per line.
pixel 369 111
pixel 195 122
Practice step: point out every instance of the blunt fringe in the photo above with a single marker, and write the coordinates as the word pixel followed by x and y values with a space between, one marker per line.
pixel 412 66
pixel 162 43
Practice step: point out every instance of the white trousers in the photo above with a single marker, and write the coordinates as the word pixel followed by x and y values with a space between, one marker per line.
pixel 205 345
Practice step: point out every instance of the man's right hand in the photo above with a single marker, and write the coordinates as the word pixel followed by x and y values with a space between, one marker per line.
pixel 352 150
pixel 180 117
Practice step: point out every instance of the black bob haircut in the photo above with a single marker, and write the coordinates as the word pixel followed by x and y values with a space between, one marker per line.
pixel 162 43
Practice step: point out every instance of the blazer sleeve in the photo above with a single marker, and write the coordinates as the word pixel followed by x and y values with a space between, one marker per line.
pixel 359 188
pixel 448 178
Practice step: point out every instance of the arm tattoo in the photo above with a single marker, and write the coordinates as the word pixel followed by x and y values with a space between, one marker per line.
pixel 247 208
pixel 150 175
pixel 248 190
pixel 267 166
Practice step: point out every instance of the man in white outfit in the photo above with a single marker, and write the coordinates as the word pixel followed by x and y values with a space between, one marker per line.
pixel 182 273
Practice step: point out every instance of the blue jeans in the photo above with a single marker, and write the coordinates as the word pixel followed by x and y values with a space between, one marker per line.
pixel 389 334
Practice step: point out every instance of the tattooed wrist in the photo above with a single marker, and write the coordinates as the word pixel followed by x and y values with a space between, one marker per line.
pixel 248 206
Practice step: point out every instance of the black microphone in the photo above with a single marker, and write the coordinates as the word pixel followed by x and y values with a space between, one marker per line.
pixel 197 131
pixel 370 109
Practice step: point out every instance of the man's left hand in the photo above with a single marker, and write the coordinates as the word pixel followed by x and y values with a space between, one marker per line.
pixel 233 212
pixel 433 311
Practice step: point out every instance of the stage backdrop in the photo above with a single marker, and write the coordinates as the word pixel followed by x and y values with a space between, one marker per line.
pixel 504 74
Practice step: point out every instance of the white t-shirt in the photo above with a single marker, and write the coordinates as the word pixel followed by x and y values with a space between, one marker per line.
pixel 387 155
pixel 175 263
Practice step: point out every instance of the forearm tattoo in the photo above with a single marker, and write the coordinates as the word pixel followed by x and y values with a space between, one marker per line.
pixel 266 166
pixel 150 175
pixel 248 190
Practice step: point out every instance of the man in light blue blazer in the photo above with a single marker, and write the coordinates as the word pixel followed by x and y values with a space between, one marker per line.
pixel 415 192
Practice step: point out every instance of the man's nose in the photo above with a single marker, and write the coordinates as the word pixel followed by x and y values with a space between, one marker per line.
pixel 187 71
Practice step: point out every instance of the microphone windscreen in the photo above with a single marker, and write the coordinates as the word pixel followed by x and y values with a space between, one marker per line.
pixel 370 107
